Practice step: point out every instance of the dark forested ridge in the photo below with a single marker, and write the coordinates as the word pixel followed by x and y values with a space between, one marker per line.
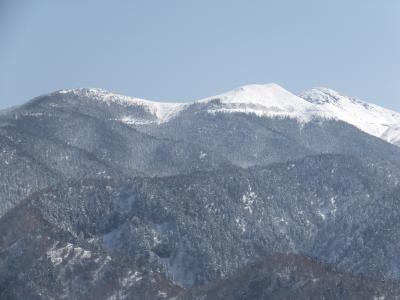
pixel 199 206
pixel 289 276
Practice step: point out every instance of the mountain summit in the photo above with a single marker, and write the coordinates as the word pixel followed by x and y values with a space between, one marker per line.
pixel 264 100
pixel 370 118
pixel 272 100
pixel 269 100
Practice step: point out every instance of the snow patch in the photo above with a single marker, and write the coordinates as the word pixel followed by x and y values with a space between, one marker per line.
pixel 58 255
pixel 202 155
pixel 322 215
pixel 248 199
pixel 241 224
pixel 131 278
pixel 162 294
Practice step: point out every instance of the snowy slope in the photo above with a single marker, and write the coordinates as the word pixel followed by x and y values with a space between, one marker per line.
pixel 370 118
pixel 270 100
pixel 162 111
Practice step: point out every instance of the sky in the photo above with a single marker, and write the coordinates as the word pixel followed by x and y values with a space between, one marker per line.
pixel 180 50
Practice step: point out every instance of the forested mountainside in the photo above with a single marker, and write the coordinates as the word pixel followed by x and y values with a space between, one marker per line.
pixel 253 194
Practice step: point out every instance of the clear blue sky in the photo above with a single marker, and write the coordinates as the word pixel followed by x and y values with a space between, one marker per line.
pixel 185 50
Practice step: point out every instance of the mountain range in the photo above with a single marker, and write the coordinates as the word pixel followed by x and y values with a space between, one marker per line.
pixel 252 194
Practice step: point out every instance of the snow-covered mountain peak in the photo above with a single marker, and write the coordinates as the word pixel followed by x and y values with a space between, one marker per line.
pixel 370 118
pixel 264 100
pixel 272 100
pixel 162 111
pixel 321 95
pixel 270 94
pixel 107 96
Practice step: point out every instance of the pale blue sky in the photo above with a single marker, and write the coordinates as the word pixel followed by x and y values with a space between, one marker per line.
pixel 184 50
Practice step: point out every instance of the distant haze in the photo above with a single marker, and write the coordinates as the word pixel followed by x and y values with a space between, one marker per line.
pixel 186 50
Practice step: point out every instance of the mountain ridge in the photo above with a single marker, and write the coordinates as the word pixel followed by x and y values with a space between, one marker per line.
pixel 103 196
pixel 264 100
pixel 371 118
